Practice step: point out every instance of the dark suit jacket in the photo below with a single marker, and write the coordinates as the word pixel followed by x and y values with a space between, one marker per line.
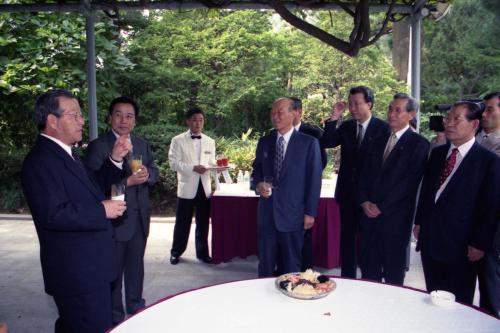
pixel 467 211
pixel 299 186
pixel 317 133
pixel 393 185
pixel 77 249
pixel 137 196
pixel 351 158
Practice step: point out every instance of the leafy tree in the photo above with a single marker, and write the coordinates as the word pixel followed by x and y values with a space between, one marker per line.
pixel 461 54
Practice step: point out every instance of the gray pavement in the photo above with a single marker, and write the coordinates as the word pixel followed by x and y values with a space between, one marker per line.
pixel 27 309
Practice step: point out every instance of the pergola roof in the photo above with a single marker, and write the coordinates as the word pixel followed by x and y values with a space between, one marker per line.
pixel 400 6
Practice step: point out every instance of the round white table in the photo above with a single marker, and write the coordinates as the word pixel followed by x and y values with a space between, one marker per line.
pixel 354 306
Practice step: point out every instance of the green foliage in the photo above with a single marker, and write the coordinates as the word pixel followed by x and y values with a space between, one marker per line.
pixel 461 54
pixel 323 76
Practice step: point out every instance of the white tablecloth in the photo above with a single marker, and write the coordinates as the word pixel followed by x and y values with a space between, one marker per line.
pixel 354 306
pixel 243 189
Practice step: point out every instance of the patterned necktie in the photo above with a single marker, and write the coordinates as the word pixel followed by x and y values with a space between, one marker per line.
pixel 359 137
pixel 390 145
pixel 278 159
pixel 448 166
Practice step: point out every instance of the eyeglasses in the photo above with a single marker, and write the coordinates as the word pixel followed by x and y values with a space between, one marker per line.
pixel 77 115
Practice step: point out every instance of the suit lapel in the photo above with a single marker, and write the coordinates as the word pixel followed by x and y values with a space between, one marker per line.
pixel 461 172
pixel 72 166
pixel 398 148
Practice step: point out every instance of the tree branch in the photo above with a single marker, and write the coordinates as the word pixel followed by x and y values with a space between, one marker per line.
pixel 312 30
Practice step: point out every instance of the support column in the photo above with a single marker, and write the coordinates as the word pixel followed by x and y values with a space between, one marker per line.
pixel 91 77
pixel 415 61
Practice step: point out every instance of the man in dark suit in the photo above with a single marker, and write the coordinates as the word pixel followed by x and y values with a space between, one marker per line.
pixel 131 231
pixel 387 192
pixel 489 273
pixel 354 136
pixel 290 162
pixel 77 249
pixel 457 214
pixel 315 132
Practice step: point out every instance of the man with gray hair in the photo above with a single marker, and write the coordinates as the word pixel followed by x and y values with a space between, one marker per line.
pixel 71 215
pixel 387 192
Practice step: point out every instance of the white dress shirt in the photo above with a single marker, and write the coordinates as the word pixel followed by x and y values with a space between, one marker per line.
pixel 462 151
pixel 364 125
pixel 286 138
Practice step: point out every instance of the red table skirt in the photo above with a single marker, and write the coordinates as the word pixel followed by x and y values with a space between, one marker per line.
pixel 234 230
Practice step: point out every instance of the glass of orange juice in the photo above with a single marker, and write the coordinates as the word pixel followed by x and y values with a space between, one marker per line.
pixel 136 162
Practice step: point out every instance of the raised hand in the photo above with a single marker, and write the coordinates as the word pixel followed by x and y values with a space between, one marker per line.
pixel 121 148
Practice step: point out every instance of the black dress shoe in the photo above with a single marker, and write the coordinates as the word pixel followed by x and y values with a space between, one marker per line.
pixel 174 260
pixel 206 260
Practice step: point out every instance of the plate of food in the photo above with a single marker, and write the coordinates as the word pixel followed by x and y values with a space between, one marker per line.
pixel 305 285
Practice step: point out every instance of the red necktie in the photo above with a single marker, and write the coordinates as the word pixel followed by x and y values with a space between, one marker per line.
pixel 448 166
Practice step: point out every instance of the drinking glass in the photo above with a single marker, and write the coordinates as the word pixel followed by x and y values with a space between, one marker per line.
pixel 118 192
pixel 135 162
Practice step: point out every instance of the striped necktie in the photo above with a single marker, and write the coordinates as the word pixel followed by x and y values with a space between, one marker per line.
pixel 280 152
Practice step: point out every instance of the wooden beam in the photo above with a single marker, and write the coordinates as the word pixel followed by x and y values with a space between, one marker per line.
pixel 176 5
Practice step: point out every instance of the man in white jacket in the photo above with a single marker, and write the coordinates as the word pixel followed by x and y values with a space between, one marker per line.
pixel 190 155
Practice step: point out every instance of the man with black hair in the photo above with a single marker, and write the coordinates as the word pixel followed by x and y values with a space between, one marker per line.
pixel 72 216
pixel 190 155
pixel 387 192
pixel 353 136
pixel 315 132
pixel 132 230
pixel 489 136
pixel 489 275
pixel 457 212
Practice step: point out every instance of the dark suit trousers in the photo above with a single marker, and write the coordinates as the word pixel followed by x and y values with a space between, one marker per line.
pixel 287 244
pixel 307 255
pixel 131 270
pixel 489 283
pixel 84 313
pixel 349 220
pixel 183 218
pixel 377 261
pixel 307 251
pixel 458 278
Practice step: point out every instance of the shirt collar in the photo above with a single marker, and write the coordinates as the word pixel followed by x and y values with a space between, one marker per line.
pixel 401 132
pixel 60 143
pixel 287 135
pixel 297 126
pixel 464 148
pixel 365 123
pixel 118 135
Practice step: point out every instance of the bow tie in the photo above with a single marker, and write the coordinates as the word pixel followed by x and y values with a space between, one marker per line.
pixel 195 137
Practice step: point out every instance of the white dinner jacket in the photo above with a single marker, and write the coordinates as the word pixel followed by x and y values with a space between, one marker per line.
pixel 181 157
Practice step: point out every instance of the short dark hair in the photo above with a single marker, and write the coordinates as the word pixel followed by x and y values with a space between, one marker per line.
pixel 411 104
pixel 367 93
pixel 123 100
pixel 492 95
pixel 48 103
pixel 474 110
pixel 297 103
pixel 191 112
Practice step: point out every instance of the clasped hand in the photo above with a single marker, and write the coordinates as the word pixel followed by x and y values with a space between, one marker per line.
pixel 370 209
pixel 138 177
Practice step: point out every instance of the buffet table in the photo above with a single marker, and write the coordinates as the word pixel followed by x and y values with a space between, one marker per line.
pixel 354 306
pixel 234 226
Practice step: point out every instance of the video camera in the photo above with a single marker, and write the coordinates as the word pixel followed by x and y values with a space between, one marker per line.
pixel 436 122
